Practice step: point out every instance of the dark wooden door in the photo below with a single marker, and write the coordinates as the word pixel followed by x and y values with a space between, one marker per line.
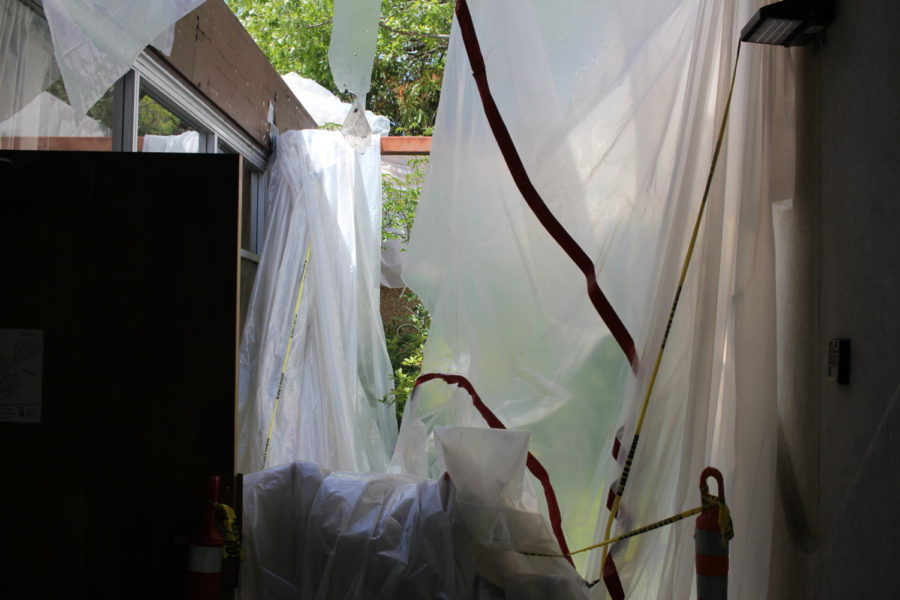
pixel 128 266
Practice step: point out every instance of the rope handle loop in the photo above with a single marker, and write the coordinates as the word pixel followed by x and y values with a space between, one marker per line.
pixel 704 486
pixel 726 526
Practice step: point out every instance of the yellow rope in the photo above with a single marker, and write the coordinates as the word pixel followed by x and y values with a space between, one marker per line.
pixel 287 354
pixel 639 531
pixel 662 347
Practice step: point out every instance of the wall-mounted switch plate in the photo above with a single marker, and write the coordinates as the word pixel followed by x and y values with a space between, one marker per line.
pixel 839 360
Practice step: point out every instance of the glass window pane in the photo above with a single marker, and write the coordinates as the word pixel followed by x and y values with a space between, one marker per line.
pixel 247 220
pixel 161 130
pixel 34 109
pixel 47 122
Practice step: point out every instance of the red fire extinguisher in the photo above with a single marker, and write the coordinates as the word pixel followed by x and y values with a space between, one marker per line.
pixel 711 536
pixel 204 573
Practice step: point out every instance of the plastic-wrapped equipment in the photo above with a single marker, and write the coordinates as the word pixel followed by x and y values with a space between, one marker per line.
pixel 614 109
pixel 313 360
pixel 314 534
pixel 311 533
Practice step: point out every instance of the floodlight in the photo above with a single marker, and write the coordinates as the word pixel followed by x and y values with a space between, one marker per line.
pixel 787 23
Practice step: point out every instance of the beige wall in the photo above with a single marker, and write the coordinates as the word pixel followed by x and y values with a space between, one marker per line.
pixel 839 453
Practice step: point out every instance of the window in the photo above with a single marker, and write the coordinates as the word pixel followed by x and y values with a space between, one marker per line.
pixel 161 130
pixel 150 109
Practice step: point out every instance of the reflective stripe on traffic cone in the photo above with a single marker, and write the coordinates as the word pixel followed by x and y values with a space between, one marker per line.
pixel 204 573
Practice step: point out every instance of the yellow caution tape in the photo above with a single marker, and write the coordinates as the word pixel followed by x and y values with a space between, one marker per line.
pixel 232 548
pixel 287 354
pixel 618 538
pixel 620 490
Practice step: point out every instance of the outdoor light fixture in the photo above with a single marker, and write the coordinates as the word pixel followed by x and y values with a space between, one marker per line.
pixel 787 23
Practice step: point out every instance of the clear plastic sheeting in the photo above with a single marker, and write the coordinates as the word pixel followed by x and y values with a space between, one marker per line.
pixel 393 251
pixel 27 67
pixel 165 40
pixel 34 113
pixel 324 107
pixel 186 142
pixel 96 41
pixel 313 360
pixel 501 514
pixel 311 533
pixel 351 53
pixel 46 116
pixel 614 109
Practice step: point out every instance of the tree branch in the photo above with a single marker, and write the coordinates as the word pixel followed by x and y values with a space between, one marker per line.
pixel 416 34
pixel 323 23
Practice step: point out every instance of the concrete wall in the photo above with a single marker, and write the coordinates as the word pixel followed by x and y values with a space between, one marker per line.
pixel 837 531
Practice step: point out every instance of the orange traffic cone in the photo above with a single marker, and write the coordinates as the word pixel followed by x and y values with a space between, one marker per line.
pixel 204 574
pixel 711 535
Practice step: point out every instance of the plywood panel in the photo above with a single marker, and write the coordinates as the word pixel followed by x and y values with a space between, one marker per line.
pixel 215 53
pixel 129 265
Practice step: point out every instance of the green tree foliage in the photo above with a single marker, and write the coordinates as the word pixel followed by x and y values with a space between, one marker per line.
pixel 155 119
pixel 409 59
pixel 405 335
pixel 400 201
pixel 152 117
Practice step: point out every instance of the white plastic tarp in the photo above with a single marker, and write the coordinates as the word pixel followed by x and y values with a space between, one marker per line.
pixel 613 108
pixel 96 41
pixel 324 107
pixel 185 142
pixel 324 204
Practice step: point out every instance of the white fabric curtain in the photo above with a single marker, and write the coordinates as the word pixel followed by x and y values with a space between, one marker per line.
pixel 325 203
pixel 614 108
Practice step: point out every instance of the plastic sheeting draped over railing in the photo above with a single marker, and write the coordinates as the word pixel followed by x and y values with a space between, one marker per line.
pixel 613 109
pixel 314 366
